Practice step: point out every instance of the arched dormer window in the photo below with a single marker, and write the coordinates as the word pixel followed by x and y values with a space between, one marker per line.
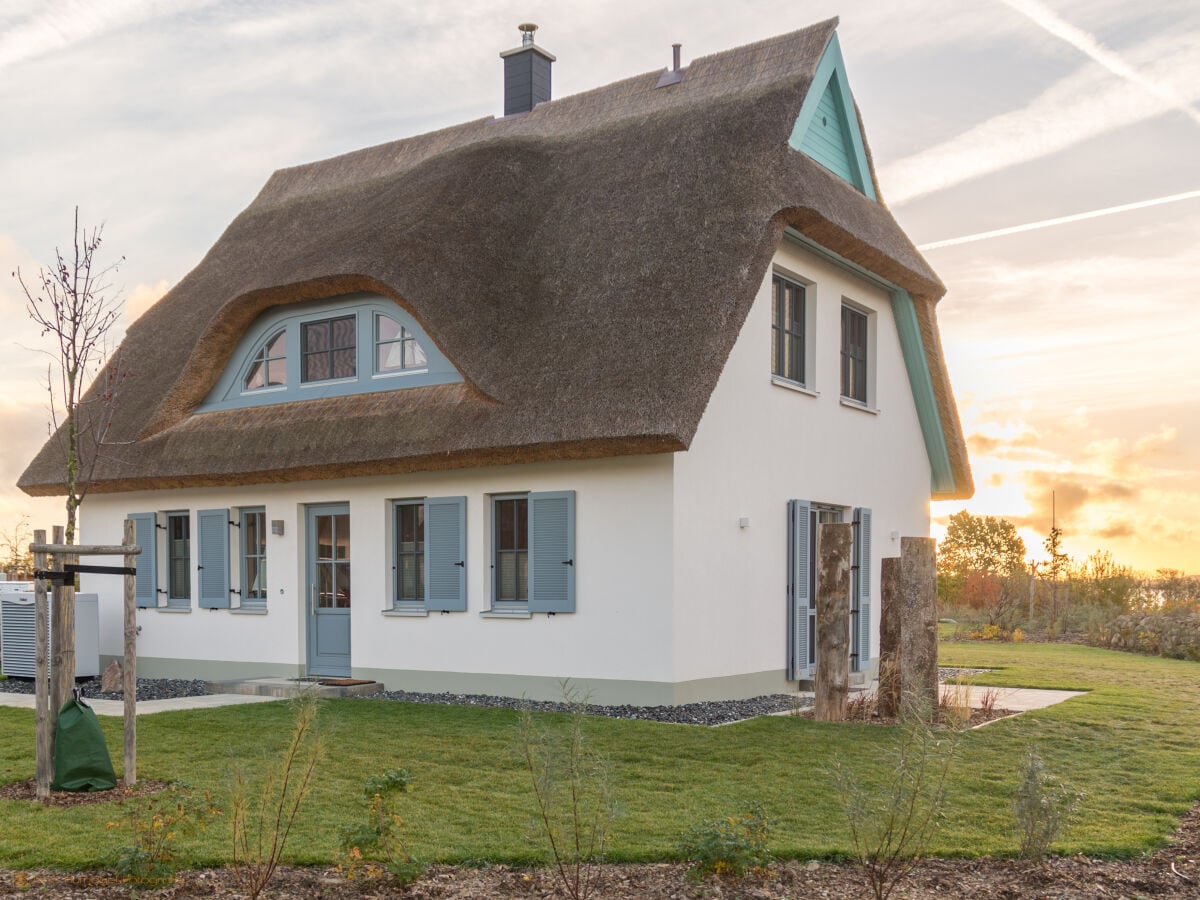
pixel 268 369
pixel 359 343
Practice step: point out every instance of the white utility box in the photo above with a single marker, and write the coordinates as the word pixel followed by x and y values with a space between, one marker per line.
pixel 18 646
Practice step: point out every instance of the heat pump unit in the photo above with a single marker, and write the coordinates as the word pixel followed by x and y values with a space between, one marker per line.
pixel 18 646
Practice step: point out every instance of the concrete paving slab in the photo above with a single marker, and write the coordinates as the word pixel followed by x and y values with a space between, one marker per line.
pixel 145 707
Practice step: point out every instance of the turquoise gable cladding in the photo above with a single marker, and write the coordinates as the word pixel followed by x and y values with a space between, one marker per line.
pixel 826 130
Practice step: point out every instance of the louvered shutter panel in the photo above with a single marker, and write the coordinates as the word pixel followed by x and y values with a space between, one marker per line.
pixel 146 535
pixel 798 599
pixel 862 559
pixel 446 554
pixel 552 551
pixel 212 535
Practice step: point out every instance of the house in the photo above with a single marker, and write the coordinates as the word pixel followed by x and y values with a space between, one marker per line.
pixel 558 394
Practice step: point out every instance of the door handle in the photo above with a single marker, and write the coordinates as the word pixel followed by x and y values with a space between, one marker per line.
pixel 312 599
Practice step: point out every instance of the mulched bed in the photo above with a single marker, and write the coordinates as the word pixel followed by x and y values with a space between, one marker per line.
pixel 1173 872
pixel 27 790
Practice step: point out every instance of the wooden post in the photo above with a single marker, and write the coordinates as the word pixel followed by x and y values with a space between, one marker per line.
pixel 129 670
pixel 62 636
pixel 889 637
pixel 41 674
pixel 918 629
pixel 834 542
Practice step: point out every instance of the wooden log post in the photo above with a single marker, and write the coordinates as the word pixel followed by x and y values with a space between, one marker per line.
pixel 834 543
pixel 62 635
pixel 129 669
pixel 889 637
pixel 41 674
pixel 918 627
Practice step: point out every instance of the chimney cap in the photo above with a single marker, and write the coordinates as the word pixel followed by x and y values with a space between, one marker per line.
pixel 527 30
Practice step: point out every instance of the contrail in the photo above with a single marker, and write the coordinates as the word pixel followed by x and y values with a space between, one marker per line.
pixel 1041 15
pixel 1061 220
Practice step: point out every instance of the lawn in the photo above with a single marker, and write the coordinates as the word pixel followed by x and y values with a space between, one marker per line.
pixel 1131 744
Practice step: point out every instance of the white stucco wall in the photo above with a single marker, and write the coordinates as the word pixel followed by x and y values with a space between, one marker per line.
pixel 761 444
pixel 621 629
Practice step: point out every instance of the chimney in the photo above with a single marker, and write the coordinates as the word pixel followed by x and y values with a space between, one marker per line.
pixel 526 73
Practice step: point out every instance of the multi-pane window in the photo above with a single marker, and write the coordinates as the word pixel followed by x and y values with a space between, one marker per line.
pixel 410 552
pixel 396 348
pixel 787 330
pixel 854 355
pixel 328 349
pixel 254 557
pixel 179 559
pixel 269 366
pixel 512 549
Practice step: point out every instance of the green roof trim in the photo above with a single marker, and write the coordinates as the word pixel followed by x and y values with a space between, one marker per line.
pixel 827 128
pixel 912 347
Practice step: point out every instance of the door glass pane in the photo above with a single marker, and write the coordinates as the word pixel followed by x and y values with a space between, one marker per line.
pixel 342 585
pixel 342 532
pixel 324 586
pixel 324 537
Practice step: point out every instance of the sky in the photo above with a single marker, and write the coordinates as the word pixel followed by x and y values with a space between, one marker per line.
pixel 1071 127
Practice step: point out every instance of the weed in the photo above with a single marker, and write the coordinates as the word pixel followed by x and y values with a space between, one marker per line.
pixel 955 703
pixel 1042 809
pixel 571 791
pixel 155 821
pixel 377 845
pixel 987 701
pixel 733 845
pixel 261 826
pixel 891 826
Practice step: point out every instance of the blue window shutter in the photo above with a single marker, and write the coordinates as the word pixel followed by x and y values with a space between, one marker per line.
pixel 552 552
pixel 862 560
pixel 798 599
pixel 446 554
pixel 146 535
pixel 212 534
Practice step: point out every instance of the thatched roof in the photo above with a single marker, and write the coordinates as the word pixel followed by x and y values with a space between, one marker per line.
pixel 587 267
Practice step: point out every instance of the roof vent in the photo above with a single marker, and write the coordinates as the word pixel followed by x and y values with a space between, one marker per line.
pixel 674 75
pixel 526 73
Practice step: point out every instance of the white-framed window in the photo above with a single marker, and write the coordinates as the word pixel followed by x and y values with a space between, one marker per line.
pixel 328 349
pixel 396 347
pixel 788 327
pixel 533 551
pixel 858 355
pixel 355 344
pixel 409 525
pixel 428 545
pixel 179 559
pixel 268 368
pixel 253 557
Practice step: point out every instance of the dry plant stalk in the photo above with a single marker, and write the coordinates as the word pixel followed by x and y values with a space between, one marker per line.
pixel 261 830
pixel 571 790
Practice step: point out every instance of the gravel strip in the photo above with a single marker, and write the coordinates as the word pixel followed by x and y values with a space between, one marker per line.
pixel 147 688
pixel 716 712
pixel 951 674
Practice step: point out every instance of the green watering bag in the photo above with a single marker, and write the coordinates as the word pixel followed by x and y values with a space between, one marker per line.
pixel 81 760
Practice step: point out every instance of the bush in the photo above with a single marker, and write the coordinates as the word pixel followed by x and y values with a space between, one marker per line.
pixel 154 823
pixel 1175 634
pixel 368 848
pixel 733 845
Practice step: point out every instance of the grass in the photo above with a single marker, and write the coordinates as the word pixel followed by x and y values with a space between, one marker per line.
pixel 1129 744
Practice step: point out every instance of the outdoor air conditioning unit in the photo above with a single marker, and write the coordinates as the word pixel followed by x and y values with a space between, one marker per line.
pixel 18 646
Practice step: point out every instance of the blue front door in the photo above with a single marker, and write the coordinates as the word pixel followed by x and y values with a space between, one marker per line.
pixel 328 594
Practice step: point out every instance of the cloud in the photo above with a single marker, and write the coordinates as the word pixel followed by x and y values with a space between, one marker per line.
pixel 1084 105
pixel 142 297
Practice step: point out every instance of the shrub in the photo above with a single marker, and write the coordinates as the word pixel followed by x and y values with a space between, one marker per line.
pixel 155 821
pixel 571 792
pixel 262 825
pixel 1017 635
pixel 1042 809
pixel 733 845
pixel 891 826
pixel 368 848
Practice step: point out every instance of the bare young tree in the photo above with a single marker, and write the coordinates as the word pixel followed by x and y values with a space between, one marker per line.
pixel 15 557
pixel 74 303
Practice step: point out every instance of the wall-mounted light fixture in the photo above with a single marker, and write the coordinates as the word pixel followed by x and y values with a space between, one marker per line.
pixel 744 522
pixel 277 526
